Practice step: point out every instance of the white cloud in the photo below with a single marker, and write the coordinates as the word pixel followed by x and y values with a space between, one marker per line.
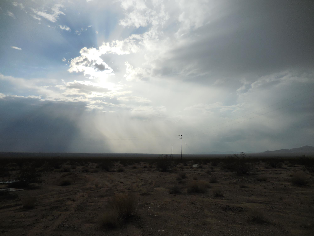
pixel 63 59
pixel 64 27
pixel 16 4
pixel 36 17
pixel 53 17
pixel 139 14
pixel 135 74
pixel 11 14
pixel 17 48
pixel 90 63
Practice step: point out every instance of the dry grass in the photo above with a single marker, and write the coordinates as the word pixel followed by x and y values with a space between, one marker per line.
pixel 120 208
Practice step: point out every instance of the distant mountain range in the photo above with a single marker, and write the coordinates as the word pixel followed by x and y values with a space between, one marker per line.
pixel 300 150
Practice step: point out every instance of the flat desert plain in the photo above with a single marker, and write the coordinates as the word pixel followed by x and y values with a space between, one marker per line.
pixel 163 196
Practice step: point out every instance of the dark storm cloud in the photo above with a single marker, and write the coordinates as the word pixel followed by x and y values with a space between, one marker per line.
pixel 255 38
pixel 29 125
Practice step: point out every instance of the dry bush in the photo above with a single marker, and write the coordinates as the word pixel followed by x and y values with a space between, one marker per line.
pixel 110 219
pixel 6 195
pixel 182 175
pixel 165 163
pixel 199 186
pixel 28 202
pixel 175 190
pixel 218 193
pixel 120 208
pixel 261 178
pixel 257 217
pixel 65 182
pixel 299 179
pixel 120 169
pixel 213 179
pixel 237 165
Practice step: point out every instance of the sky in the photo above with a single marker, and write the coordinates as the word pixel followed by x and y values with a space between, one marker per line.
pixel 129 76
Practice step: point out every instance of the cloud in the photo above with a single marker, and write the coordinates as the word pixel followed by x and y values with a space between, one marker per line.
pixel 64 27
pixel 11 14
pixel 17 48
pixel 135 74
pixel 86 87
pixel 16 4
pixel 53 17
pixel 138 14
pixel 90 64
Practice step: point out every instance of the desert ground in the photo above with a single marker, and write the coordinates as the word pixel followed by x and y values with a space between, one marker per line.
pixel 220 196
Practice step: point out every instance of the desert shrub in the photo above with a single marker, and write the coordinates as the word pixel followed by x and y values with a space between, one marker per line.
pixel 106 165
pixel 237 165
pixel 65 182
pixel 213 179
pixel 258 217
pixel 110 219
pixel 218 193
pixel 164 163
pixel 299 179
pixel 28 202
pixel 182 175
pixel 125 204
pixel 4 172
pixel 199 186
pixel 175 190
pixel 6 195
pixel 120 208
pixel 120 169
pixel 275 163
pixel 66 169
pixel 261 178
pixel 26 176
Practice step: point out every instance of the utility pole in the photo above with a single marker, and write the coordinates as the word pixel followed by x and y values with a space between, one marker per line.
pixel 180 136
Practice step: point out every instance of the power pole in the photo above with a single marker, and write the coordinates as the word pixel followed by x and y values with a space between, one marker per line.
pixel 180 135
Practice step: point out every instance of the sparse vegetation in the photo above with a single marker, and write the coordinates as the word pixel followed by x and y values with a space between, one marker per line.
pixel 213 179
pixel 197 186
pixel 28 202
pixel 257 217
pixel 175 190
pixel 218 197
pixel 65 182
pixel 120 208
pixel 218 193
pixel 299 179
pixel 164 163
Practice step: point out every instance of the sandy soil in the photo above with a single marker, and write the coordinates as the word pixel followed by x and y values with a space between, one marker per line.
pixel 72 197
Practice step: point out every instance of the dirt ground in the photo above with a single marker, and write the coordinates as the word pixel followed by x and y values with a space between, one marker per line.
pixel 190 198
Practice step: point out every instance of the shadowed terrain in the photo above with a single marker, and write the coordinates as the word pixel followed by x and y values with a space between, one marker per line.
pixel 159 196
